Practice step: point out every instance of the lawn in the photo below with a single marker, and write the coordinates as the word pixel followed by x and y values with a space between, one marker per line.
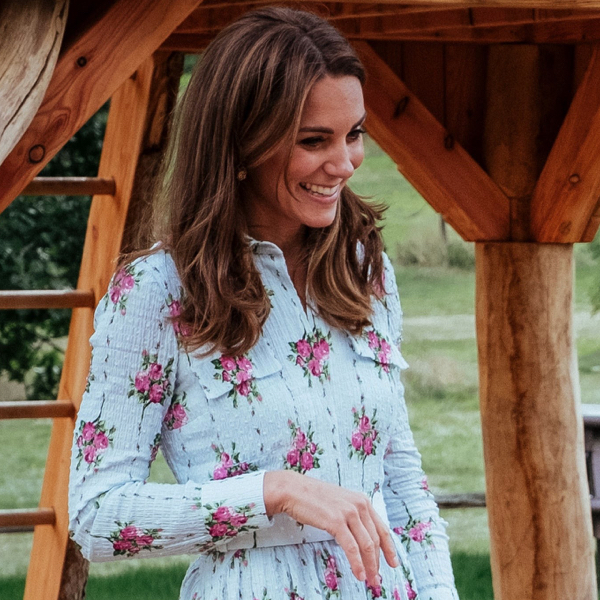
pixel 439 344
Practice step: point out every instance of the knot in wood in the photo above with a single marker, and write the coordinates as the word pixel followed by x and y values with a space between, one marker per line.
pixel 81 61
pixel 36 154
pixel 574 178
pixel 401 107
pixel 449 141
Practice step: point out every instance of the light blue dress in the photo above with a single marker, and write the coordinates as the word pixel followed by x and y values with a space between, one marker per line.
pixel 307 397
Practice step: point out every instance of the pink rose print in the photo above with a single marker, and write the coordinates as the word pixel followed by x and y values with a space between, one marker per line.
pixel 154 447
pixel 303 454
pixel 151 384
pixel 224 522
pixel 174 306
pixel 293 594
pixel 416 531
pixel 121 285
pixel 381 350
pixel 176 416
pixel 312 354
pixel 129 540
pixel 92 441
pixel 230 465
pixel 237 371
pixel 365 436
pixel 376 591
pixel 331 576
pixel 408 585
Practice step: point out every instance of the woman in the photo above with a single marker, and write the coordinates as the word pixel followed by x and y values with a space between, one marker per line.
pixel 257 344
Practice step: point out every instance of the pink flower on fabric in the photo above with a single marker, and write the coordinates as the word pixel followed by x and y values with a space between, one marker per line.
pixel 368 445
pixel 237 520
pixel 101 441
pixel 219 472
pixel 398 530
pixel 155 371
pixel 228 363
pixel 331 562
pixel 115 294
pixel 357 440
pixel 331 580
pixel 300 361
pixel 226 460
pixel 156 393
pixel 142 382
pixel 373 340
pixel 375 591
pixel 364 425
pixel 396 594
pixel 244 364
pixel 416 531
pixel 411 594
pixel 89 454
pixel 419 531
pixel 381 349
pixel 244 388
pixel 144 540
pixel 129 533
pixel 303 348
pixel 120 287
pixel 122 545
pixel 306 461
pixel 314 366
pixel 175 308
pixel 80 441
pixel 242 376
pixel 226 376
pixel 293 456
pixel 127 282
pixel 321 349
pixel 218 530
pixel 222 514
pixel 300 440
pixel 88 432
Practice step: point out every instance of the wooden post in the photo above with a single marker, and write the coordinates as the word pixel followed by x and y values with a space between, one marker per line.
pixel 536 486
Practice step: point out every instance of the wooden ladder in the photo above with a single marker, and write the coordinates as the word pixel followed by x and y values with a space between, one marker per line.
pixel 133 144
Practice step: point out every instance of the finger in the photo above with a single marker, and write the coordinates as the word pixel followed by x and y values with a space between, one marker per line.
pixel 349 545
pixel 386 542
pixel 369 547
pixel 368 520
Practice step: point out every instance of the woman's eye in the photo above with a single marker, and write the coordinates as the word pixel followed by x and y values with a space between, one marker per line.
pixel 311 142
pixel 356 133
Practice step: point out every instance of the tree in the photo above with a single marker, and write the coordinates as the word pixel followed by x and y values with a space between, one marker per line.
pixel 41 243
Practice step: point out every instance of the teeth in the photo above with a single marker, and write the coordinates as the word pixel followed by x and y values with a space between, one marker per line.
pixel 319 189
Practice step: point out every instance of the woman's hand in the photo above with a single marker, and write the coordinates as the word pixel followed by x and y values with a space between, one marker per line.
pixel 348 516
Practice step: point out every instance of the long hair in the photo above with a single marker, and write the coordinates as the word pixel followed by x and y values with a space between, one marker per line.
pixel 243 103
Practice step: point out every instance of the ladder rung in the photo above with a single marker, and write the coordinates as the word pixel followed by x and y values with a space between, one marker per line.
pixel 15 299
pixel 470 500
pixel 26 517
pixel 70 186
pixel 37 409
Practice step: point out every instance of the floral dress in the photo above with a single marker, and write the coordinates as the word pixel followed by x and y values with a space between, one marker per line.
pixel 306 397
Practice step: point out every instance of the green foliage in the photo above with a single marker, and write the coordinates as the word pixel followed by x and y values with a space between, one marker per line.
pixel 41 242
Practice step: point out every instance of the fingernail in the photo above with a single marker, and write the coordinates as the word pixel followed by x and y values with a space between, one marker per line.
pixel 395 562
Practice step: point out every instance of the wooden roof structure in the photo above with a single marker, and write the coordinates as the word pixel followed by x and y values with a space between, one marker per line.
pixel 490 108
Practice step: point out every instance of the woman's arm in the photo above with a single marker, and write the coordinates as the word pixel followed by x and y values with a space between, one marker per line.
pixel 114 513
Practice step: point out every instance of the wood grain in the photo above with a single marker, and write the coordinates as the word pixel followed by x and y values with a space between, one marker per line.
pixel 69 186
pixel 568 189
pixel 447 177
pixel 20 299
pixel 86 75
pixel 31 34
pixel 536 486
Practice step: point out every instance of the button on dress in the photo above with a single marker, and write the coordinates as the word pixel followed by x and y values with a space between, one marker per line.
pixel 307 397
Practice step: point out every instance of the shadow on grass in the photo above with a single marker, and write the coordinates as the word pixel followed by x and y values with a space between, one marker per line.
pixel 472 572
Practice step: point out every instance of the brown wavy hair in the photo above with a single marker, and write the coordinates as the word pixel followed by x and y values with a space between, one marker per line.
pixel 243 103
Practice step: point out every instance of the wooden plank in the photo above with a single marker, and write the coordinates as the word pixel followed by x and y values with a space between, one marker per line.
pixel 70 186
pixel 37 409
pixel 465 78
pixel 19 299
pixel 122 142
pixel 567 192
pixel 31 34
pixel 88 71
pixel 26 517
pixel 536 485
pixel 450 501
pixel 447 177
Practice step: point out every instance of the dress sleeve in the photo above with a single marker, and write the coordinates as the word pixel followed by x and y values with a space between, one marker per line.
pixel 411 507
pixel 113 512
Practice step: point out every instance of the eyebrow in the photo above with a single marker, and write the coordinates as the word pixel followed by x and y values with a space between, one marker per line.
pixel 319 129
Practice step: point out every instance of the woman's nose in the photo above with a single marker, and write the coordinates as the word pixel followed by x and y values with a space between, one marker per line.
pixel 339 163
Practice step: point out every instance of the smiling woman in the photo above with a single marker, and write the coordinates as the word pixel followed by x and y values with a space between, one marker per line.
pixel 257 343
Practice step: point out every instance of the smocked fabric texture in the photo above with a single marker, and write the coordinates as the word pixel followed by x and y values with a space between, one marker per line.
pixel 307 397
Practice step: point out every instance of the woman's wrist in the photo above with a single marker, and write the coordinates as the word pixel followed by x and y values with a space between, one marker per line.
pixel 276 488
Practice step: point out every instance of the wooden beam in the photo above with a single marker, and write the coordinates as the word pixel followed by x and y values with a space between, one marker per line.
pixel 567 192
pixel 537 493
pixel 70 186
pixel 428 156
pixel 86 75
pixel 26 517
pixel 20 299
pixel 37 409
pixel 31 34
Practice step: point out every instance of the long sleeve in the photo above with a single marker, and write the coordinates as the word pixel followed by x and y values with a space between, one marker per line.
pixel 411 508
pixel 114 513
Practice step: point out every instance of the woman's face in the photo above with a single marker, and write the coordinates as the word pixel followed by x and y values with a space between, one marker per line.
pixel 327 151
